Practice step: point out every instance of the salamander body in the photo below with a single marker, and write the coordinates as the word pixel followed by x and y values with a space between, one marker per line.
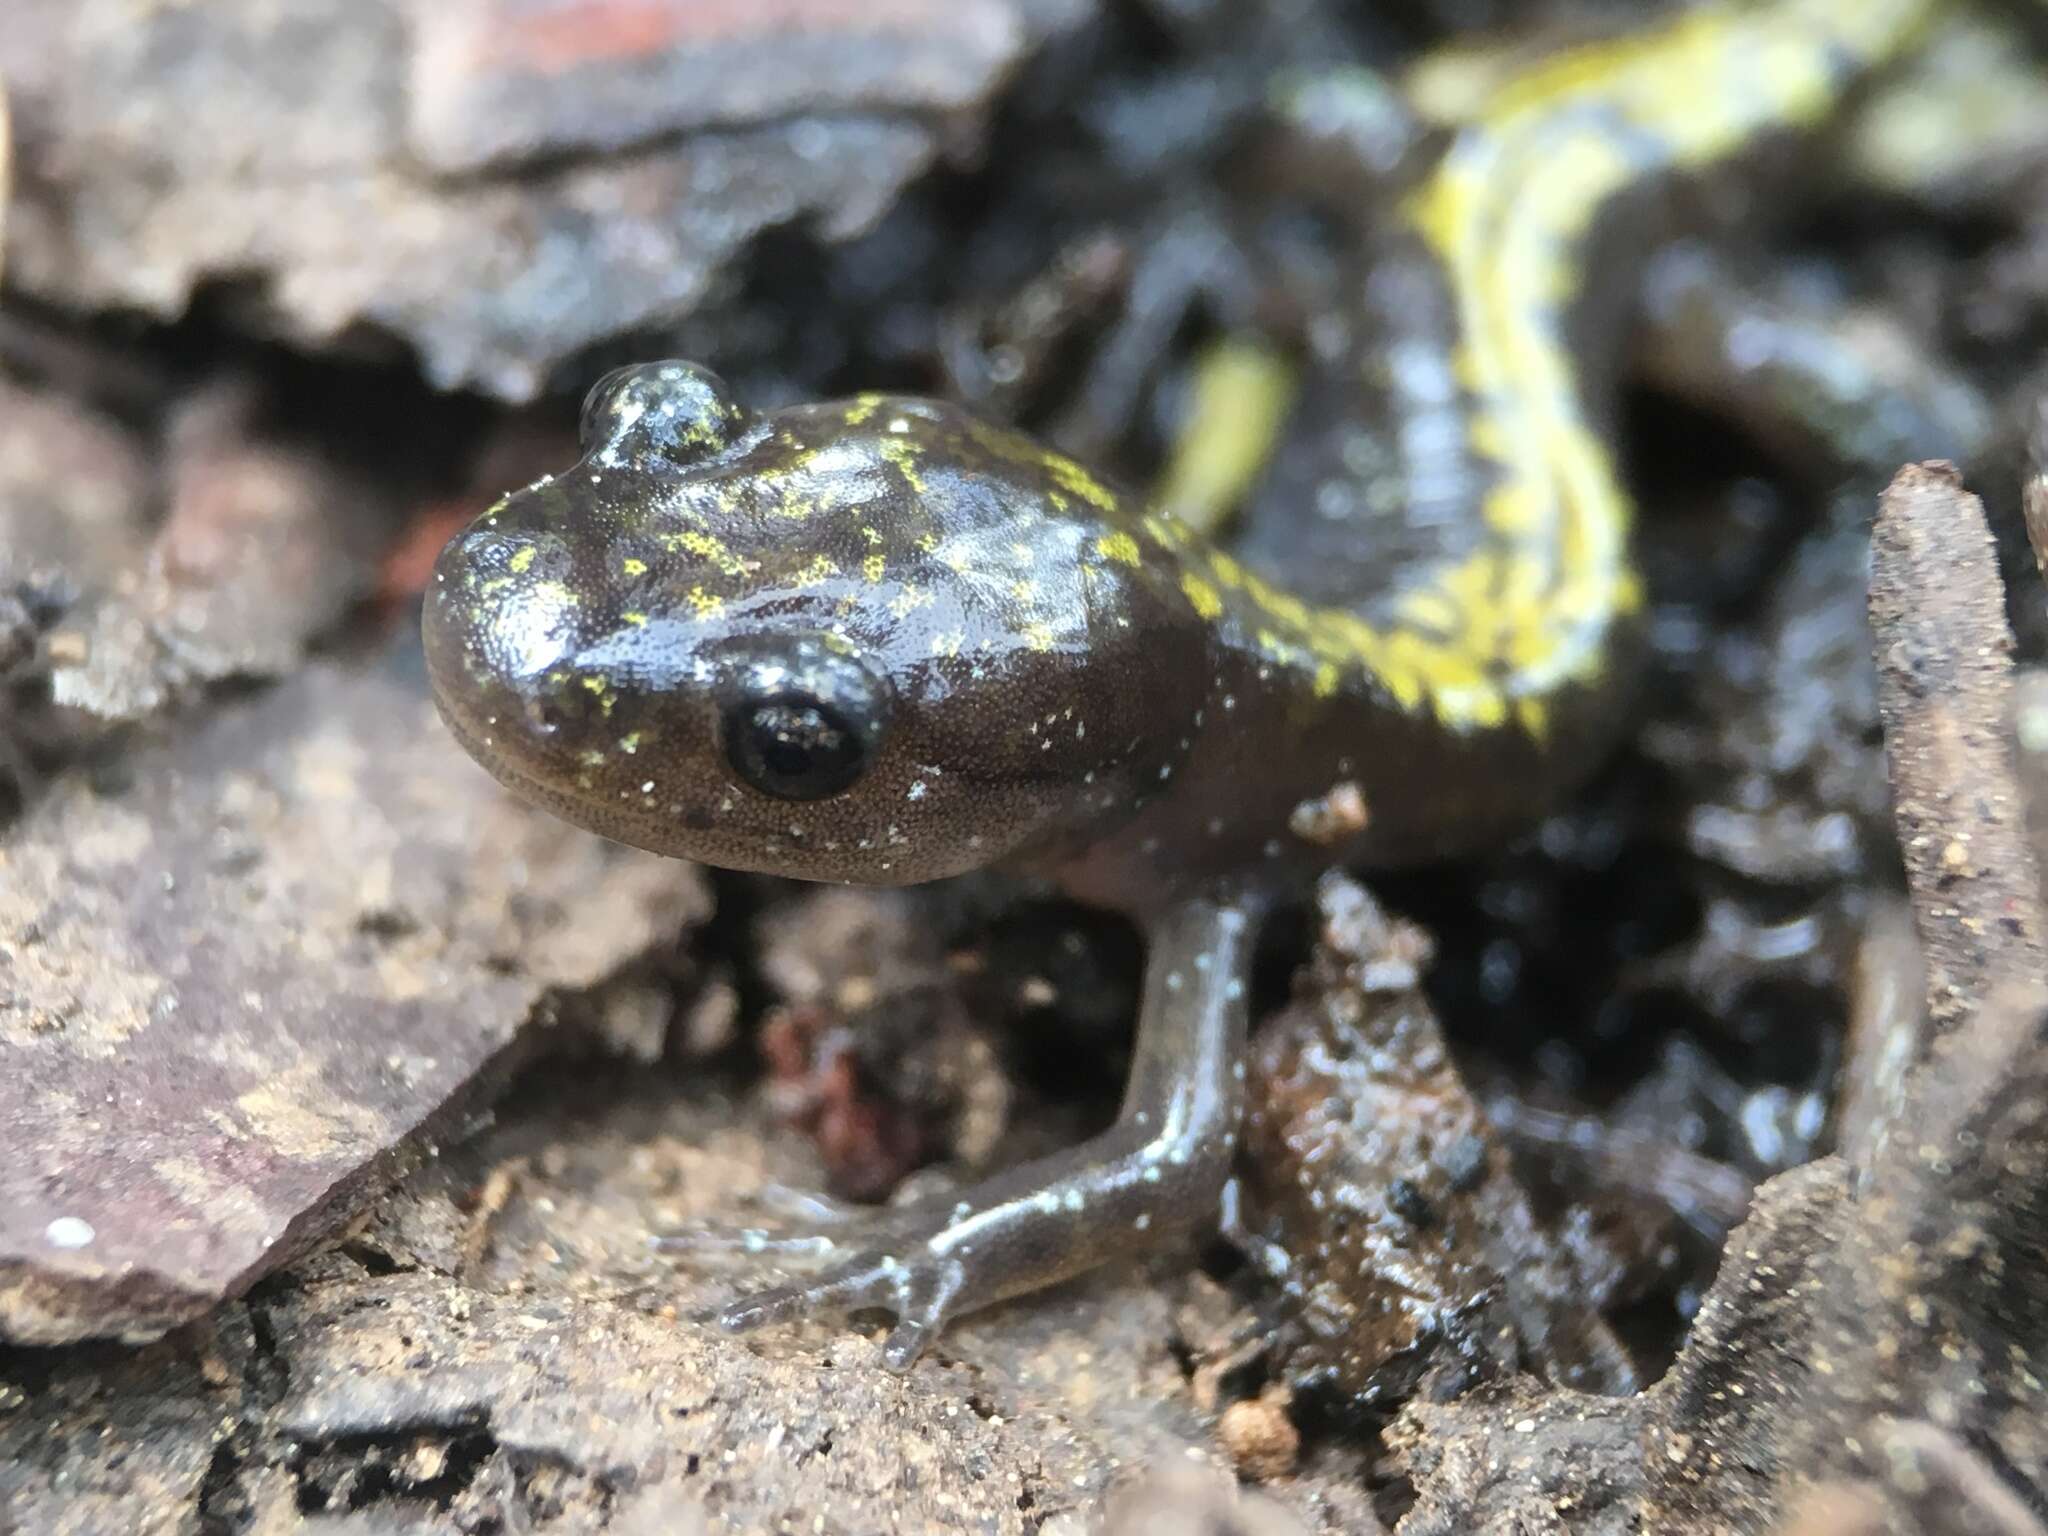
pixel 881 641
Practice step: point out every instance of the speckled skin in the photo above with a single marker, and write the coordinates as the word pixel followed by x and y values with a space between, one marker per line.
pixel 1055 699
pixel 952 648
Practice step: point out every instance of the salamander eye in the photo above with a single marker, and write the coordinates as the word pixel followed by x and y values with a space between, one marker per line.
pixel 800 720
pixel 794 747
pixel 678 411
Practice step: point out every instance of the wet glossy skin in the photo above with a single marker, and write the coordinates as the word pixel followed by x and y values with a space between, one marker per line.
pixel 965 600
pixel 879 641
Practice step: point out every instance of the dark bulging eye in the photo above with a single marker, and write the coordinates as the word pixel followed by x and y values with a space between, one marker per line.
pixel 801 717
pixel 677 410
pixel 794 747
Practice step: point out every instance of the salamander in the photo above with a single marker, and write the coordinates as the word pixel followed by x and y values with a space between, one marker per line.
pixel 882 641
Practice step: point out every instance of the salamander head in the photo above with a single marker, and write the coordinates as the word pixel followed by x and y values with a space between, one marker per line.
pixel 875 641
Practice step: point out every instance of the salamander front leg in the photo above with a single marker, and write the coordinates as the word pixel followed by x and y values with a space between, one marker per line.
pixel 1153 1176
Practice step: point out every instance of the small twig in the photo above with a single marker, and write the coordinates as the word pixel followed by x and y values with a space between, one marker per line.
pixel 1944 657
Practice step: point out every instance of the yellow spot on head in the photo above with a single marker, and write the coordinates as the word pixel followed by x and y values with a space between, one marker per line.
pixel 1429 609
pixel 1039 636
pixel 906 456
pixel 909 600
pixel 708 547
pixel 1119 547
pixel 1472 709
pixel 1284 607
pixel 1203 597
pixel 633 567
pixel 1279 649
pixel 822 568
pixel 1076 481
pixel 863 408
pixel 1164 531
pixel 1326 680
pixel 1401 682
pixel 522 560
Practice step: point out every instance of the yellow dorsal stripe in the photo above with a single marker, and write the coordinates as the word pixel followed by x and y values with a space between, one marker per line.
pixel 1520 186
